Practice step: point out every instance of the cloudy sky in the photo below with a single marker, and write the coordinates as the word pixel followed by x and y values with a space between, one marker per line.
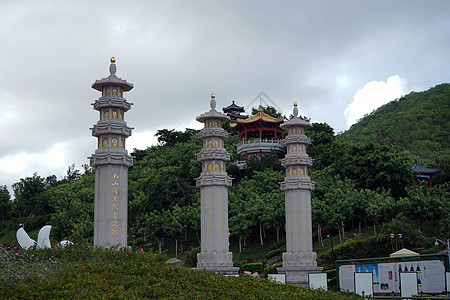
pixel 338 59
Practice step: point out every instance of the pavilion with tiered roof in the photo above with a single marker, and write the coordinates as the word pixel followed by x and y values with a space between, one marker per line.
pixel 424 171
pixel 259 134
pixel 234 111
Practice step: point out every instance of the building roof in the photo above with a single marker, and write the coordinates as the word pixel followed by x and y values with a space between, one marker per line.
pixel 212 113
pixel 423 170
pixel 260 115
pixel 404 252
pixel 295 121
pixel 233 108
pixel 112 79
pixel 234 111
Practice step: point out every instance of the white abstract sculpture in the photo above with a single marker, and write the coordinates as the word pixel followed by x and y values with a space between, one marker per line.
pixel 24 240
pixel 43 239
pixel 63 244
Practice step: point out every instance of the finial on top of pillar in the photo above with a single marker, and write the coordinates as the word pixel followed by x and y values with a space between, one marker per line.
pixel 295 109
pixel 213 102
pixel 112 67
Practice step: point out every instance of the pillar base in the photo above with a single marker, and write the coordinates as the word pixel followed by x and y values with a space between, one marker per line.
pixel 217 262
pixel 297 266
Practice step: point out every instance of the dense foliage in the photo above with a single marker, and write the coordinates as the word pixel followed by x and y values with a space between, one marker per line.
pixel 87 272
pixel 5 205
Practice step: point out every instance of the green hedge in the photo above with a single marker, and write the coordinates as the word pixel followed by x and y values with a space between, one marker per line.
pixel 253 267
pixel 275 252
pixel 190 260
pixel 271 270
pixel 362 248
pixel 430 296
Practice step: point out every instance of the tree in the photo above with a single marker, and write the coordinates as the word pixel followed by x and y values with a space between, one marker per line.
pixel 5 204
pixel 424 204
pixel 163 188
pixel 337 197
pixel 51 181
pixel 319 216
pixel 411 235
pixel 171 137
pixel 72 204
pixel 192 218
pixel 257 201
pixel 379 209
pixel 159 225
pixel 28 196
pixel 360 203
pixel 270 110
pixel 374 167
pixel 164 176
pixel 323 149
pixel 240 221
pixel 72 173
pixel 185 218
pixel 240 227
pixel 178 224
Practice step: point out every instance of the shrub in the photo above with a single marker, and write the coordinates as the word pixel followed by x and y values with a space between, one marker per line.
pixel 331 276
pixel 253 267
pixel 278 244
pixel 93 272
pixel 430 296
pixel 190 260
pixel 275 252
pixel 271 270
pixel 361 248
pixel 36 222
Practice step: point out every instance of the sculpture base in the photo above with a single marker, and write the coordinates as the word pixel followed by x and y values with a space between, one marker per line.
pixel 297 266
pixel 217 262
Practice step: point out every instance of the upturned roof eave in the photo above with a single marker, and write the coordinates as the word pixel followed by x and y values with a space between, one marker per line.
pixel 263 117
pixel 112 80
pixel 232 107
pixel 424 170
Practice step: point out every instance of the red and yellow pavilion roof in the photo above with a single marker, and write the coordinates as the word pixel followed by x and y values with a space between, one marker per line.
pixel 259 116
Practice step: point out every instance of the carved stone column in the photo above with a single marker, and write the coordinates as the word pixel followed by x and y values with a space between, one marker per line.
pixel 214 183
pixel 299 258
pixel 111 161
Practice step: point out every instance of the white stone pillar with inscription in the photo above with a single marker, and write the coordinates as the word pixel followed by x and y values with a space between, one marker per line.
pixel 299 258
pixel 214 183
pixel 111 161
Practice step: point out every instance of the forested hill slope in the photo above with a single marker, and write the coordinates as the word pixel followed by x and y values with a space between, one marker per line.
pixel 418 122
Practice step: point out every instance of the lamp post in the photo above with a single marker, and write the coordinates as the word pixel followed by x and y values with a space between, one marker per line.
pixel 447 245
pixel 397 237
pixel 332 251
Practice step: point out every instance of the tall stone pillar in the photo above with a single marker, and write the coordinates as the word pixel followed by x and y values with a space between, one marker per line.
pixel 214 183
pixel 111 161
pixel 299 258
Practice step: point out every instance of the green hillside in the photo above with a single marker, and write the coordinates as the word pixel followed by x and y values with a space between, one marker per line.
pixel 418 122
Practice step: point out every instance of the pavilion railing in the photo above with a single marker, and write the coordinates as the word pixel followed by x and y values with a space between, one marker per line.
pixel 255 141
